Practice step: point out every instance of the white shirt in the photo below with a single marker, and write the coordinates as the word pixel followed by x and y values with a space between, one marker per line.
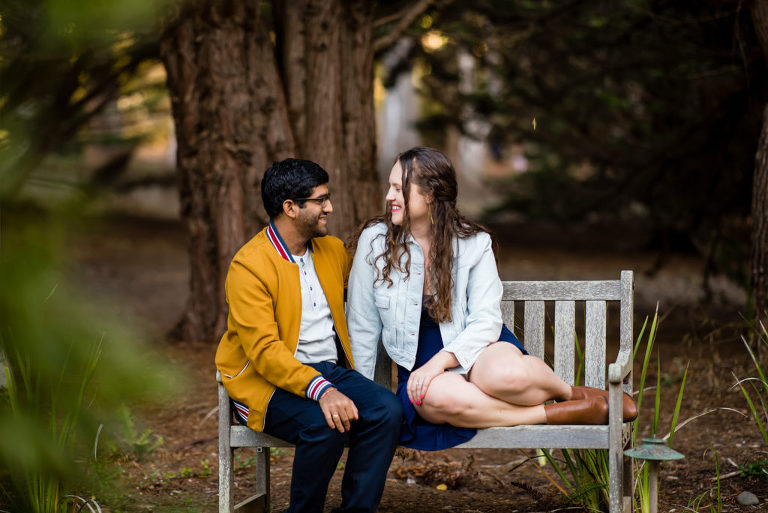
pixel 317 339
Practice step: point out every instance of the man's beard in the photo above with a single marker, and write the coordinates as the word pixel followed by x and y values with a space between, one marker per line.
pixel 313 226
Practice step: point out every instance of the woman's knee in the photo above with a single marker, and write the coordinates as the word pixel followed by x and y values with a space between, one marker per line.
pixel 444 404
pixel 503 379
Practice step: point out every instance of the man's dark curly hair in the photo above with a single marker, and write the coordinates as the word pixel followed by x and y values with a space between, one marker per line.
pixel 289 179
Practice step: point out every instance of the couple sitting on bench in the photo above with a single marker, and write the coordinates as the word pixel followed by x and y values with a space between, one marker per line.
pixel 424 282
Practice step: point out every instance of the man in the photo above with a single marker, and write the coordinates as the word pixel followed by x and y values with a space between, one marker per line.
pixel 285 358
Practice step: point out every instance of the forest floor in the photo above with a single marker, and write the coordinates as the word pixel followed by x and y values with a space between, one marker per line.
pixel 140 267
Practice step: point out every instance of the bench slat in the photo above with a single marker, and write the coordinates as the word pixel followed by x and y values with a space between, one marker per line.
pixel 562 290
pixel 594 354
pixel 242 436
pixel 517 437
pixel 534 328
pixel 552 437
pixel 508 315
pixel 565 325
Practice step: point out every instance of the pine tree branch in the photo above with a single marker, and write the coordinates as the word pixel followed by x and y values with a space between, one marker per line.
pixel 406 16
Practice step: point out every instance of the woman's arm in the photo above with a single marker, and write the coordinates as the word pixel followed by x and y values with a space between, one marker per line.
pixel 483 311
pixel 363 318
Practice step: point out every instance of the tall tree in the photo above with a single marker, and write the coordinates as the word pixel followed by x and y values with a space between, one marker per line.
pixel 252 82
pixel 759 269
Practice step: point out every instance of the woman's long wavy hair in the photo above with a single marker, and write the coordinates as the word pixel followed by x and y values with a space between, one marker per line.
pixel 435 176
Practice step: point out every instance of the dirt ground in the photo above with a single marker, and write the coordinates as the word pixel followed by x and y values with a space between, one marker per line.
pixel 140 267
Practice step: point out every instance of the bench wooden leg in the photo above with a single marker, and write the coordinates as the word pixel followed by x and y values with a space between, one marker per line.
pixel 226 478
pixel 629 481
pixel 259 502
pixel 615 450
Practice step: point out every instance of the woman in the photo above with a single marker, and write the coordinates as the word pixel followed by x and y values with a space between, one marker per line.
pixel 424 280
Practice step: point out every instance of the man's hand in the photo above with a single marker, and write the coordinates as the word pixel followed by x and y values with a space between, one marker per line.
pixel 339 410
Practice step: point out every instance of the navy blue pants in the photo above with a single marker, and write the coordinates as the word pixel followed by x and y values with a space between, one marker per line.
pixel 372 441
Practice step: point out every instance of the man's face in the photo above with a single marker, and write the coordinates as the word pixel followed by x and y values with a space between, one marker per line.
pixel 313 216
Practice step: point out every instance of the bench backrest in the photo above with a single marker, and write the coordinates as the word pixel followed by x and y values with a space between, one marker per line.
pixel 533 295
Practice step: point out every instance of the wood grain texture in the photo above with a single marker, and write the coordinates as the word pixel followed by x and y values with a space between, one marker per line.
pixel 534 327
pixel 565 334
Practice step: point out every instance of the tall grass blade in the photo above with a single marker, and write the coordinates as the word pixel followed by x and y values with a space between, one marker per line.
pixel 640 336
pixel 644 372
pixel 678 405
pixel 657 399
pixel 553 463
pixel 755 414
pixel 579 359
pixel 758 367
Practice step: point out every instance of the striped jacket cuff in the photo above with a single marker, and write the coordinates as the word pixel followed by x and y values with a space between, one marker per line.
pixel 317 386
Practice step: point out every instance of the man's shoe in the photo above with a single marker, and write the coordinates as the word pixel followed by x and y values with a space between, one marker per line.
pixel 628 407
pixel 593 410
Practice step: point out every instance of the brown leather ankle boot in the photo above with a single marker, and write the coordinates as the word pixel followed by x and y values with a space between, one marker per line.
pixel 593 410
pixel 628 407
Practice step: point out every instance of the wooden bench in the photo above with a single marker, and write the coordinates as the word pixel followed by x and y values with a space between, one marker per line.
pixel 533 295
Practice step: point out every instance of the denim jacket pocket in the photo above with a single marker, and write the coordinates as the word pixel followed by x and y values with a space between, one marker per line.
pixel 381 300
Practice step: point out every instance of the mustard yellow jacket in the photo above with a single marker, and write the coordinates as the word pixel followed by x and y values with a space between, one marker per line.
pixel 256 354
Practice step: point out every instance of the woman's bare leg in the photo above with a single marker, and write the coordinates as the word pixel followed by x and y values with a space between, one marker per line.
pixel 503 372
pixel 452 399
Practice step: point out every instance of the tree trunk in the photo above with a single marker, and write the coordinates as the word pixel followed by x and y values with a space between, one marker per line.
pixel 759 270
pixel 326 49
pixel 231 123
pixel 241 101
pixel 760 227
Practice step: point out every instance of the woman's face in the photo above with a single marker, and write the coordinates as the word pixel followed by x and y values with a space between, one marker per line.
pixel 417 202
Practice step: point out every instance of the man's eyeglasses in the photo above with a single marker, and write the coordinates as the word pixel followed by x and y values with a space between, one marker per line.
pixel 322 200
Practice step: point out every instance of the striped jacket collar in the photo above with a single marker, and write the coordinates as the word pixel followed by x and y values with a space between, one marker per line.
pixel 277 241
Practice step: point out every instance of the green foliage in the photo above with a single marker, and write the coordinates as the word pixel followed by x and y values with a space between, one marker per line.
pixel 755 469
pixel 61 63
pixel 160 478
pixel 639 106
pixel 68 365
pixel 642 487
pixel 131 440
pixel 588 471
pixel 755 389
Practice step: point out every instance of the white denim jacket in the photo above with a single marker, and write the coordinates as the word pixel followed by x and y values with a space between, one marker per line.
pixel 393 313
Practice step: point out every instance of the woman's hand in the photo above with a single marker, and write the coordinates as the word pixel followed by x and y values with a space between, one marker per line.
pixel 419 381
pixel 420 378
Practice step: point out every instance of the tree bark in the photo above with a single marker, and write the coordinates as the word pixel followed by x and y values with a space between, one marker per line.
pixel 242 100
pixel 231 123
pixel 759 268
pixel 327 57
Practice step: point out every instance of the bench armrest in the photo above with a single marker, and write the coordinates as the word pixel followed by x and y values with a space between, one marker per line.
pixel 621 368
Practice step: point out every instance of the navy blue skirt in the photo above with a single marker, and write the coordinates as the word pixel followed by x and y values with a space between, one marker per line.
pixel 416 432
